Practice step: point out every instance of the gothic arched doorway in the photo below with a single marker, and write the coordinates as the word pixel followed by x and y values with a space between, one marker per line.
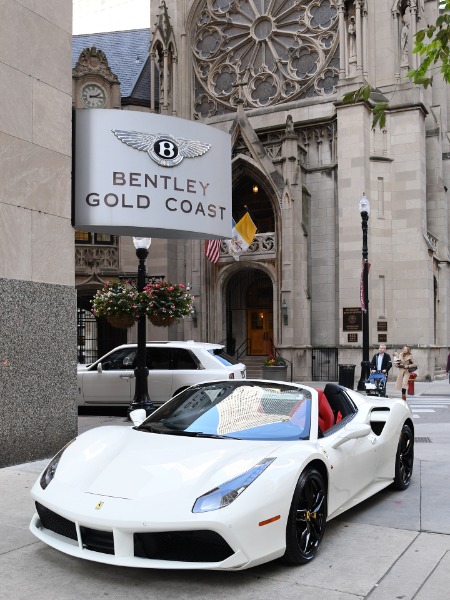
pixel 249 302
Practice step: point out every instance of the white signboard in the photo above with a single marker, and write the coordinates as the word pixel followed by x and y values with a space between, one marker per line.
pixel 147 175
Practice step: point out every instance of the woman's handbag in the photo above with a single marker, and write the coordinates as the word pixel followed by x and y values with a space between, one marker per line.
pixel 412 369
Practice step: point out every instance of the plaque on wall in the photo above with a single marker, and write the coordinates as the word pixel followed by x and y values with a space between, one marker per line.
pixel 382 337
pixel 381 325
pixel 352 337
pixel 352 319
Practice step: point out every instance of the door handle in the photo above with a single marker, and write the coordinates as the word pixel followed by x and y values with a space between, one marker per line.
pixel 126 376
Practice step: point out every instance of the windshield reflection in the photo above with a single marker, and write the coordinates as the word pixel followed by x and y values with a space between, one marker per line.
pixel 243 410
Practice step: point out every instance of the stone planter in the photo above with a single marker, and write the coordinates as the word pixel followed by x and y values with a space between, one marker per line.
pixel 275 373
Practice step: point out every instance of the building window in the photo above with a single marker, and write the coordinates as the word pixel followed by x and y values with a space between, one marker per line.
pixel 97 239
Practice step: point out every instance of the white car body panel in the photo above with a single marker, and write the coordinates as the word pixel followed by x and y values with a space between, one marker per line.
pixel 149 483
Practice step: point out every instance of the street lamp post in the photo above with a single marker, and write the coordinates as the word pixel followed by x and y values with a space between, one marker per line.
pixel 141 398
pixel 364 209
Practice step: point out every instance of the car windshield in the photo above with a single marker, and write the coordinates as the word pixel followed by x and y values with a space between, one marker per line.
pixel 242 410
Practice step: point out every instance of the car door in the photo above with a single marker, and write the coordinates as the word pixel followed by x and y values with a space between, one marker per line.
pixel 353 466
pixel 160 374
pixel 110 384
pixel 187 370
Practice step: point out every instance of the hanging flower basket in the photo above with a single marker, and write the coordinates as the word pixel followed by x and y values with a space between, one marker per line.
pixel 121 321
pixel 160 320
pixel 118 302
pixel 165 302
pixel 162 302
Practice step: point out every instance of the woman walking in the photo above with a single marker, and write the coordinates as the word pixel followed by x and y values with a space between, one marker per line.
pixel 404 362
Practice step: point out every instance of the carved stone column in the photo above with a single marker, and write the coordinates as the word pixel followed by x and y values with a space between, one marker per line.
pixel 152 81
pixel 174 85
pixel 166 82
pixel 342 39
pixel 358 38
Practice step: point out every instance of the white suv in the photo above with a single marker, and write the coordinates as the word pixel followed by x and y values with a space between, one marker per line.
pixel 173 366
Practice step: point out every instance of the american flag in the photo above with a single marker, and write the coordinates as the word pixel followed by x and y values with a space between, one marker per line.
pixel 212 250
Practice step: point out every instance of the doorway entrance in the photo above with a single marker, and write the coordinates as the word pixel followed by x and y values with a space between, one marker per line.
pixel 260 331
pixel 249 304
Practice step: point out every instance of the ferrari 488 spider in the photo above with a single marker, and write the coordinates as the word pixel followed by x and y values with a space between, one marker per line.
pixel 226 475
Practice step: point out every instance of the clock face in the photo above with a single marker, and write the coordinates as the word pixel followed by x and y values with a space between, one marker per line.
pixel 93 96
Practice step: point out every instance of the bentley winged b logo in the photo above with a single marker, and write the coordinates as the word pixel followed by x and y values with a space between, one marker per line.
pixel 164 149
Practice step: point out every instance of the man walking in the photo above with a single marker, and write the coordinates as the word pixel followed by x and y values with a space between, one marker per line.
pixel 381 362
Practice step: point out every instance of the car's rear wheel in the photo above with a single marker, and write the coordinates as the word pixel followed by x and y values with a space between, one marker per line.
pixel 404 459
pixel 307 518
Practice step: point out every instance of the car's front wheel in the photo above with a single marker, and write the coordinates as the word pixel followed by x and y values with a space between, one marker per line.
pixel 404 459
pixel 307 518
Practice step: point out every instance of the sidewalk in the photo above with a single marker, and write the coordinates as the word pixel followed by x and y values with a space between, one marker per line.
pixel 395 545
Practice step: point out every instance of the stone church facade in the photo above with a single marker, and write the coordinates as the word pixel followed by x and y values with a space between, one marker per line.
pixel 273 75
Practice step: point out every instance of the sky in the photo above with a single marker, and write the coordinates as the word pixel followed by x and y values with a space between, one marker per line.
pixel 94 16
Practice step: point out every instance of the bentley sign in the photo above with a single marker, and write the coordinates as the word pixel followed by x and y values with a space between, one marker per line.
pixel 150 175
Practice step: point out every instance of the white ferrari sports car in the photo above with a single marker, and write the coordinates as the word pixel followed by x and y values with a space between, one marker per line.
pixel 226 475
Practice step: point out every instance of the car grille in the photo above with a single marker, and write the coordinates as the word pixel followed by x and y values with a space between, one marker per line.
pixel 97 541
pixel 50 520
pixel 186 546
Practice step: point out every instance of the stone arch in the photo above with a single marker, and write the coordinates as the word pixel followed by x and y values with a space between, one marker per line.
pixel 234 290
pixel 264 205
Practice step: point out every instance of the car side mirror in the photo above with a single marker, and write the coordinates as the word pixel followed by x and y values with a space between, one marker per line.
pixel 99 368
pixel 138 416
pixel 352 432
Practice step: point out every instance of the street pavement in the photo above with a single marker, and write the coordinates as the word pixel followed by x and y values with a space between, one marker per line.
pixel 395 546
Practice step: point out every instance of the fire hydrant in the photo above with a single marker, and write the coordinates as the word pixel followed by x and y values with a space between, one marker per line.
pixel 412 377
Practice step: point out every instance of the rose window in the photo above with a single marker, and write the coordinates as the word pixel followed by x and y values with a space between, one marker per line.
pixel 264 52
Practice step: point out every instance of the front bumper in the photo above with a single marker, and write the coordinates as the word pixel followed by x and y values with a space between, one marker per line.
pixel 201 543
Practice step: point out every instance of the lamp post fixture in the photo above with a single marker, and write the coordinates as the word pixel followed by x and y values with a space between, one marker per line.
pixel 364 209
pixel 141 398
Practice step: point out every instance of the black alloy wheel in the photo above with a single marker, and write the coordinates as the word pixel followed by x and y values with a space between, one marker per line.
pixel 404 460
pixel 307 518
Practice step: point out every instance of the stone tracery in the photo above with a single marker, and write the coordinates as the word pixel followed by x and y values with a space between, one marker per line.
pixel 263 52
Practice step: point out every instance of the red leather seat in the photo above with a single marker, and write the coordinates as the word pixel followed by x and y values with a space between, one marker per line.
pixel 326 416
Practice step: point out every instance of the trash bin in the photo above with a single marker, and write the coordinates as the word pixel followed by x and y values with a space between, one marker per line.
pixel 347 376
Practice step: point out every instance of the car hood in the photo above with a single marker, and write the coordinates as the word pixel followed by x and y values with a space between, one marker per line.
pixel 126 463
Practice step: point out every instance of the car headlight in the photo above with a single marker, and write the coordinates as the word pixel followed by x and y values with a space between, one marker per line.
pixel 223 495
pixel 50 471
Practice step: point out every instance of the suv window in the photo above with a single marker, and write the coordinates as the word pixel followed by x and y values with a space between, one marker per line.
pixel 119 360
pixel 184 359
pixel 224 358
pixel 159 358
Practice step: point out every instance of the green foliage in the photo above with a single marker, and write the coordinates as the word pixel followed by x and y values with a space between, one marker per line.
pixel 433 44
pixel 363 94
pixel 273 361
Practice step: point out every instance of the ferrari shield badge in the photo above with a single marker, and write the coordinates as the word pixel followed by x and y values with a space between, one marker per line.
pixel 99 505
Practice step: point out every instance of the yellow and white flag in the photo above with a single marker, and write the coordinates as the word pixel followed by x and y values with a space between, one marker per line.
pixel 242 235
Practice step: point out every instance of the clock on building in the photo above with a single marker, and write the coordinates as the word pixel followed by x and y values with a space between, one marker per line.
pixel 93 96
